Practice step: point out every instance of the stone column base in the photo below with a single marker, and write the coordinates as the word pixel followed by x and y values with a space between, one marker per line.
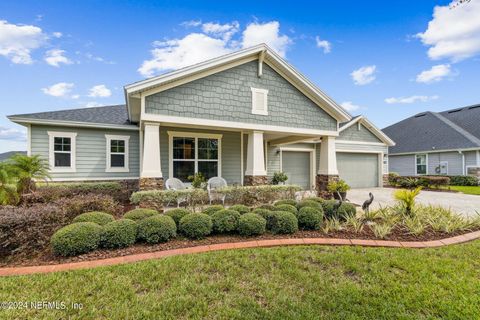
pixel 255 180
pixel 386 183
pixel 322 181
pixel 151 184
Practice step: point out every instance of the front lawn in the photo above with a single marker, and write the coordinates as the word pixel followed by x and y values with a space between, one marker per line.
pixel 467 189
pixel 307 282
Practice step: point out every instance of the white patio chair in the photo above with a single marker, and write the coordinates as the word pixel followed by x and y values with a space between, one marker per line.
pixel 176 184
pixel 214 184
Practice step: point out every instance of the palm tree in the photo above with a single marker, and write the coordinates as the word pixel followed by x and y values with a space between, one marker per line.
pixel 8 192
pixel 28 169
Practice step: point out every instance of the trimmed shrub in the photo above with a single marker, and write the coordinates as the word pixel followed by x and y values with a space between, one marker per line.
pixel 344 211
pixel 76 238
pixel 283 222
pixel 97 217
pixel 157 228
pixel 118 234
pixel 225 220
pixel 212 209
pixel 463 181
pixel 251 224
pixel 270 207
pixel 240 208
pixel 310 218
pixel 286 201
pixel 411 182
pixel 308 203
pixel 286 207
pixel 79 204
pixel 316 199
pixel 139 214
pixel 196 225
pixel 177 214
pixel 262 212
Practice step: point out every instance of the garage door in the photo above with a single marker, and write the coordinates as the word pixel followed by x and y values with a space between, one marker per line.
pixel 297 167
pixel 359 170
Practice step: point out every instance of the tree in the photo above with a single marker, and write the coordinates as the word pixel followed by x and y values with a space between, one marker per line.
pixel 28 169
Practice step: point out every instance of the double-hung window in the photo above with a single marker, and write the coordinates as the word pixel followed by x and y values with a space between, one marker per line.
pixel 117 153
pixel 421 164
pixel 62 149
pixel 192 153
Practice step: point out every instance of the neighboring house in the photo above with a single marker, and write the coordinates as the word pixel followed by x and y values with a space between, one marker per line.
pixel 242 116
pixel 6 155
pixel 443 143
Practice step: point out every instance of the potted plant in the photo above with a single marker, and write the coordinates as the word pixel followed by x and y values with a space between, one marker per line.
pixel 338 187
pixel 279 178
pixel 198 180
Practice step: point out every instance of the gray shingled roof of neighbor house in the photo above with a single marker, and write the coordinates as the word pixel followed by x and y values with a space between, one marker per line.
pixel 116 114
pixel 429 131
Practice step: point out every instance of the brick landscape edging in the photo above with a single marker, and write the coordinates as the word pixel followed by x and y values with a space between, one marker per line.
pixel 16 271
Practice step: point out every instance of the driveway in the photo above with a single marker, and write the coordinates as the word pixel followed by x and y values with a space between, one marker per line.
pixel 465 204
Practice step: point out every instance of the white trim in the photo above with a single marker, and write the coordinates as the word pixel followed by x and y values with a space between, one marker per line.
pixel 195 135
pixel 433 151
pixel 358 151
pixel 478 158
pixel 76 124
pixel 255 109
pixel 361 142
pixel 73 150
pixel 312 161
pixel 140 147
pixel 29 140
pixel 426 164
pixel 54 179
pixel 464 171
pixel 126 154
pixel 212 124
pixel 242 173
pixel 380 169
pixel 371 127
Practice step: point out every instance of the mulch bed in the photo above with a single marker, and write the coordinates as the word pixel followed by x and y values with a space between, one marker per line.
pixel 46 257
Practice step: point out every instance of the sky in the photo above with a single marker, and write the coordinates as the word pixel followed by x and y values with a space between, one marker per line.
pixel 387 60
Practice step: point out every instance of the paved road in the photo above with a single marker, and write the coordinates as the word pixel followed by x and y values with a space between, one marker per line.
pixel 461 203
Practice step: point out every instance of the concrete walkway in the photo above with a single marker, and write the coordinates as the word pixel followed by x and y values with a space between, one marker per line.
pixel 465 204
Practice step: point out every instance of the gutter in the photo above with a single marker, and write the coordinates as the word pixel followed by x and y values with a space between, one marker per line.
pixel 27 121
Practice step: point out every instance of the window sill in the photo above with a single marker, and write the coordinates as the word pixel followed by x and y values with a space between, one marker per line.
pixel 117 170
pixel 62 170
pixel 262 113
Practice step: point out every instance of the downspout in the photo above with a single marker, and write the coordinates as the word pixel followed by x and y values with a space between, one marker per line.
pixel 463 161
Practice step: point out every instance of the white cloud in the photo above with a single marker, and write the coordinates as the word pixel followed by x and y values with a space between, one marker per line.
pixel 453 33
pixel 100 91
pixel 60 90
pixel 92 104
pixel 323 44
pixel 17 41
pixel 435 74
pixel 225 31
pixel 411 99
pixel 12 134
pixel 364 75
pixel 97 58
pixel 269 33
pixel 191 23
pixel 349 106
pixel 56 57
pixel 57 34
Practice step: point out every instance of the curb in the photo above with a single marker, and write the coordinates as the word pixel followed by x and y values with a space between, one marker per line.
pixel 16 271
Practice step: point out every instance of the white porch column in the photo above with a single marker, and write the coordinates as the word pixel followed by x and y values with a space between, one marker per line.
pixel 328 157
pixel 151 152
pixel 255 155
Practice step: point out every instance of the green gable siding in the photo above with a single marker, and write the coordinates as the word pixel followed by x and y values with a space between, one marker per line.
pixel 90 153
pixel 227 96
pixel 352 133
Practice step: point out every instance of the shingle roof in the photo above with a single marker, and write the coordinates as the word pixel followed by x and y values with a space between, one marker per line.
pixel 427 131
pixel 116 114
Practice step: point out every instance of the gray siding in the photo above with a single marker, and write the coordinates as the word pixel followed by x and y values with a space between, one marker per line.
pixel 404 165
pixel 354 134
pixel 90 153
pixel 454 162
pixel 471 158
pixel 227 96
pixel 361 147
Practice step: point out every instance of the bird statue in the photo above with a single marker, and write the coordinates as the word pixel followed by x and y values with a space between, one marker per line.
pixel 337 203
pixel 367 203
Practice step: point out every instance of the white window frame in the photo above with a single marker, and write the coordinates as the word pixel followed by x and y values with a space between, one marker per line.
pixel 195 135
pixel 108 165
pixel 51 150
pixel 255 110
pixel 426 164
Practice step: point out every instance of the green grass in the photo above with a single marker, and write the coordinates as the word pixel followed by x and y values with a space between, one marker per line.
pixel 467 189
pixel 307 282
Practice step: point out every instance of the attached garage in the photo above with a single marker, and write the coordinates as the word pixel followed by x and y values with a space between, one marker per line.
pixel 359 170
pixel 297 165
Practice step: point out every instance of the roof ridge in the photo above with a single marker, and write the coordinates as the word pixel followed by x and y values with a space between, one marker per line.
pixel 456 127
pixel 66 110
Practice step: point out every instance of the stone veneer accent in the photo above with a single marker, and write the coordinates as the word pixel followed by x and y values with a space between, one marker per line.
pixel 151 184
pixel 255 180
pixel 385 180
pixel 322 181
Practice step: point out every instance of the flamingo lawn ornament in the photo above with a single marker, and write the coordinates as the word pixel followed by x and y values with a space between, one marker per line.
pixel 367 203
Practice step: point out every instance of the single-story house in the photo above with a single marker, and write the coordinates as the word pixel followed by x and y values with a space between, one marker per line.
pixel 242 116
pixel 437 143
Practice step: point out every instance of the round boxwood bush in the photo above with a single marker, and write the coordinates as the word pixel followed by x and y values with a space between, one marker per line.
pixel 283 222
pixel 286 201
pixel 76 238
pixel 118 234
pixel 308 203
pixel 212 209
pixel 158 228
pixel 251 224
pixel 97 217
pixel 196 225
pixel 310 218
pixel 316 199
pixel 344 211
pixel 286 207
pixel 270 207
pixel 225 221
pixel 139 214
pixel 240 208
pixel 177 214
pixel 262 212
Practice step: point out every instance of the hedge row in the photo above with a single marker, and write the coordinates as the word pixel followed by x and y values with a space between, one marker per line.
pixel 430 181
